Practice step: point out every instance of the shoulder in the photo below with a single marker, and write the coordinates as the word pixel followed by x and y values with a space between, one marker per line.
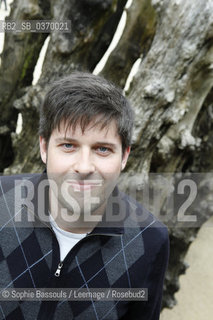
pixel 18 193
pixel 142 222
pixel 10 182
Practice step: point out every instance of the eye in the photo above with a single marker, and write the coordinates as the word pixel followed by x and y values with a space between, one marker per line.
pixel 67 146
pixel 103 150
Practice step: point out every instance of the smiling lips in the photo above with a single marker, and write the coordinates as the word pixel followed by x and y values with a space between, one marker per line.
pixel 83 185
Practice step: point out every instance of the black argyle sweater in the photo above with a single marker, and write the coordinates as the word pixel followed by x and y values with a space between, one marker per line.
pixel 131 255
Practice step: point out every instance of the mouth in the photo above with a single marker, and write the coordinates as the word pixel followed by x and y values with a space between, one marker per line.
pixel 83 185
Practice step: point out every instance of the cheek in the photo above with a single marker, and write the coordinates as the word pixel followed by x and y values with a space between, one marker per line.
pixel 111 168
pixel 56 164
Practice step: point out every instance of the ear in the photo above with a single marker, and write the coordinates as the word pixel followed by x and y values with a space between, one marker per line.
pixel 43 149
pixel 125 157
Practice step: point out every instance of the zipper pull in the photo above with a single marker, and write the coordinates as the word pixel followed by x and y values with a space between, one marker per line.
pixel 58 271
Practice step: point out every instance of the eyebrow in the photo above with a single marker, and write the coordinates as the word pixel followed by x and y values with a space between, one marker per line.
pixel 109 144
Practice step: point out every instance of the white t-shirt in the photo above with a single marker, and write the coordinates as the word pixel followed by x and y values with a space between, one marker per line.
pixel 66 239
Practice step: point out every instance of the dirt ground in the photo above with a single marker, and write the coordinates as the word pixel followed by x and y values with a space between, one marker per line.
pixel 195 297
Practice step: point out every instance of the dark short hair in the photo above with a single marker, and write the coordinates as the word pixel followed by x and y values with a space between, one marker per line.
pixel 81 97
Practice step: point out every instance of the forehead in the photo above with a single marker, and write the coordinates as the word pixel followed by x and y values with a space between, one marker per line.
pixel 94 131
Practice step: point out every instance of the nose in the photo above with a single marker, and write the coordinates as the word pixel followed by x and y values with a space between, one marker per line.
pixel 84 164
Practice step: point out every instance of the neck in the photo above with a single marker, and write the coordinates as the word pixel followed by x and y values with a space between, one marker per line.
pixel 73 222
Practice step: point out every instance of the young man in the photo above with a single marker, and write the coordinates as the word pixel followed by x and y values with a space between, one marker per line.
pixel 71 227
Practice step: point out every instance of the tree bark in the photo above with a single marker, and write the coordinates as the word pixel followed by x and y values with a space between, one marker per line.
pixel 89 27
pixel 19 56
pixel 134 43
pixel 173 80
pixel 168 94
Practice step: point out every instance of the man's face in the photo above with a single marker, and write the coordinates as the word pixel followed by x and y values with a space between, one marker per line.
pixel 85 166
